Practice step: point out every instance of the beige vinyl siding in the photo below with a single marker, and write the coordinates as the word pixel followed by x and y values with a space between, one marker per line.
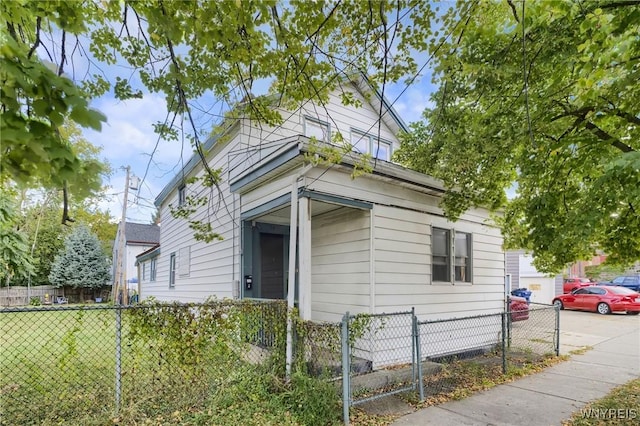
pixel 403 266
pixel 211 267
pixel 344 119
pixel 340 264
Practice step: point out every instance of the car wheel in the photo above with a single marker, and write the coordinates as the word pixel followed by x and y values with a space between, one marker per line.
pixel 633 313
pixel 603 309
pixel 558 303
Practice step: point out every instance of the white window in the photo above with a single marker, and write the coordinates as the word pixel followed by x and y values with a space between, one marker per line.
pixel 462 266
pixel 152 274
pixel 370 144
pixel 182 195
pixel 450 255
pixel 144 271
pixel 440 255
pixel 318 129
pixel 172 270
pixel 184 262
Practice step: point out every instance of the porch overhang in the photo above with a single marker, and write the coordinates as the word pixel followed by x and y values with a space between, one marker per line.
pixel 284 201
pixel 290 153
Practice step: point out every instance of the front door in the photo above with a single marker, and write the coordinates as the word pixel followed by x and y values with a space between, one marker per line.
pixel 272 249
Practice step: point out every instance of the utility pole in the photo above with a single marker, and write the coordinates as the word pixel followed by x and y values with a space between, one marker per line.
pixel 120 276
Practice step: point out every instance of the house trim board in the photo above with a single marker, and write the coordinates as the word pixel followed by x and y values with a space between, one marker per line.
pixel 285 199
pixel 264 169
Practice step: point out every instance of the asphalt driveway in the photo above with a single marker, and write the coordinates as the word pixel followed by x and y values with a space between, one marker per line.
pixel 587 329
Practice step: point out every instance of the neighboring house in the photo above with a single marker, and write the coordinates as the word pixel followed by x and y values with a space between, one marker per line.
pixel 523 274
pixel 376 243
pixel 147 263
pixel 139 238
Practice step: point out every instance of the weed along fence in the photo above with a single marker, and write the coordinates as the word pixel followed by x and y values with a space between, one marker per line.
pixel 392 353
pixel 90 364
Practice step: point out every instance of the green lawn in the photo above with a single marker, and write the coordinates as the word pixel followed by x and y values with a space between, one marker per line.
pixel 620 407
pixel 56 362
pixel 59 367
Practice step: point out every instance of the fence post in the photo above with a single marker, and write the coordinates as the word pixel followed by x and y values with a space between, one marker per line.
pixel 346 369
pixel 504 342
pixel 118 357
pixel 416 334
pixel 414 370
pixel 557 342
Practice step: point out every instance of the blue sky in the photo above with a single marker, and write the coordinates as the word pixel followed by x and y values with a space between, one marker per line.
pixel 127 139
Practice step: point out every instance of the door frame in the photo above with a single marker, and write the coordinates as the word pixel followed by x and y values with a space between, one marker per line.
pixel 252 255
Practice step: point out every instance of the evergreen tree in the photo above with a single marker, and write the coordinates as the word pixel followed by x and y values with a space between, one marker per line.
pixel 82 263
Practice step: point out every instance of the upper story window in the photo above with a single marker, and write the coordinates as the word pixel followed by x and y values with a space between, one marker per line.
pixel 450 255
pixel 182 195
pixel 366 143
pixel 318 129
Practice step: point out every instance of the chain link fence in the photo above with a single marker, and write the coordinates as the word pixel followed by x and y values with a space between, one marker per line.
pixel 379 357
pixel 88 363
pixel 483 348
pixel 85 364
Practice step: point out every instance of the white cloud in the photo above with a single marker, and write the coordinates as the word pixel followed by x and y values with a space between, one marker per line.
pixel 128 139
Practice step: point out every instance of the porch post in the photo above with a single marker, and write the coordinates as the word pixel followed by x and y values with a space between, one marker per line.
pixel 304 244
pixel 291 287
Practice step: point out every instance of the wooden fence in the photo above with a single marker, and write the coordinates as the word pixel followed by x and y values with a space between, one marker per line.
pixel 21 296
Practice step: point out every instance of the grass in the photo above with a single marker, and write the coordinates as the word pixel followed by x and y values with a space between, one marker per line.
pixel 620 407
pixel 58 367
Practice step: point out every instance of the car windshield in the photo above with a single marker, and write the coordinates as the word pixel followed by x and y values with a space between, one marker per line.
pixel 621 290
pixel 585 280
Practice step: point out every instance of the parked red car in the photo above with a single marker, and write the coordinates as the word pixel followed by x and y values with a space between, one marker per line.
pixel 601 299
pixel 571 284
pixel 519 308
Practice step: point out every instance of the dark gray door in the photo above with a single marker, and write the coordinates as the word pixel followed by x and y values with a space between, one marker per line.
pixel 272 266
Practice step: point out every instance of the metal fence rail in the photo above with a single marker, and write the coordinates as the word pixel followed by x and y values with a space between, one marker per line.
pixel 88 363
pixel 92 362
pixel 370 343
pixel 486 346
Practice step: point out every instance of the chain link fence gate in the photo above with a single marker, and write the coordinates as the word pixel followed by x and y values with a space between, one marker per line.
pixel 371 343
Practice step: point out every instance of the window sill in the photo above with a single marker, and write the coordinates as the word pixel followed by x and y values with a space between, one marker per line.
pixel 458 283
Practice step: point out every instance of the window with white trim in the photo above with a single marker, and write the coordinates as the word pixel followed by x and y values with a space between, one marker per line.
pixel 450 257
pixel 365 143
pixel 153 267
pixel 440 255
pixel 172 270
pixel 144 270
pixel 462 264
pixel 317 128
pixel 182 195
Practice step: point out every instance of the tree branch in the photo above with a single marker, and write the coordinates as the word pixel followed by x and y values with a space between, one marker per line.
pixel 513 9
pixel 37 42
pixel 616 143
pixel 616 4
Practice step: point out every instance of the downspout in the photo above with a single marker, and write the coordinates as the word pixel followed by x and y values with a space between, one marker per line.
pixel 291 287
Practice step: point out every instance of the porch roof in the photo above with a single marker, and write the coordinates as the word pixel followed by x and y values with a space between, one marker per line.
pixel 290 153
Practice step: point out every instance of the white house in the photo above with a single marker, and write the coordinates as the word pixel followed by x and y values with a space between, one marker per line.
pixel 139 238
pixel 371 244
pixel 543 287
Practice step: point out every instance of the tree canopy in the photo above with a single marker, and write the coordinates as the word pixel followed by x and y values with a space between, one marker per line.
pixel 40 223
pixel 15 259
pixel 58 56
pixel 81 263
pixel 541 97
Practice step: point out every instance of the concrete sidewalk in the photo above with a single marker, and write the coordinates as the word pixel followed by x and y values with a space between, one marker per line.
pixel 549 397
